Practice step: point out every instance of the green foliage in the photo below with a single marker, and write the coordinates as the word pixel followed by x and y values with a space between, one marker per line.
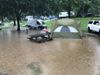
pixel 17 8
pixel 46 7
pixel 80 7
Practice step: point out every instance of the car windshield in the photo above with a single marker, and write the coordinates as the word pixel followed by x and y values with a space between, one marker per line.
pixel 96 22
pixel 90 22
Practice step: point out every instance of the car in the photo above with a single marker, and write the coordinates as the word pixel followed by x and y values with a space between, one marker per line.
pixel 52 17
pixel 35 23
pixel 63 14
pixel 94 25
pixel 1 23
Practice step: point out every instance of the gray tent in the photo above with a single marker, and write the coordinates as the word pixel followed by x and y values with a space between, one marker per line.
pixel 66 28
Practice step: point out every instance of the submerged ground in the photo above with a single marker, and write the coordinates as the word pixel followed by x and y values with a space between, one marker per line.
pixel 19 56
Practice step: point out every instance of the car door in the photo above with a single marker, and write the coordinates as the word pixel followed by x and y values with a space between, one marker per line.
pixel 96 26
pixel 90 24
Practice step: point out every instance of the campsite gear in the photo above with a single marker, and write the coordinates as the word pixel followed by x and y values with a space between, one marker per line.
pixel 41 37
pixel 63 28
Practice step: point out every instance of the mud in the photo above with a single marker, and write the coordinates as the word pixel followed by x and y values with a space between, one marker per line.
pixel 19 56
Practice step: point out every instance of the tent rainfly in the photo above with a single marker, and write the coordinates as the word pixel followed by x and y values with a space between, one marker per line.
pixel 66 28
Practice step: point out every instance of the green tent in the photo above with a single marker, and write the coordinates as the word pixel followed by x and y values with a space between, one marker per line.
pixel 66 28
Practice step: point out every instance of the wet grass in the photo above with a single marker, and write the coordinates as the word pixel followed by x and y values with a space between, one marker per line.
pixel 49 23
pixel 83 22
pixel 10 24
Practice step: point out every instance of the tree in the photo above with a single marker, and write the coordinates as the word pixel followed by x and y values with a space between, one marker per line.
pixel 83 7
pixel 61 5
pixel 15 8
pixel 80 7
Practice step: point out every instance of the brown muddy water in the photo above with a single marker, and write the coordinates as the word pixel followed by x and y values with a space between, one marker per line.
pixel 19 56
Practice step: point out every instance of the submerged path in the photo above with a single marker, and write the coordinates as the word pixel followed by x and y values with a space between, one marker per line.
pixel 19 56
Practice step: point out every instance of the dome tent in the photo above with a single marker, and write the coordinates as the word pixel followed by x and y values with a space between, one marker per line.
pixel 66 28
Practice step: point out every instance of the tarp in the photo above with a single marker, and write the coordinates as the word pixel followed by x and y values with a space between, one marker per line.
pixel 67 22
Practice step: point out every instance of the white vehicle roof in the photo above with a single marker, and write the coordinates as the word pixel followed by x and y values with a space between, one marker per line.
pixel 64 12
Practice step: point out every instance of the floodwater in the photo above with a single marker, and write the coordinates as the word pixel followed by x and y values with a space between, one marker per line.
pixel 19 56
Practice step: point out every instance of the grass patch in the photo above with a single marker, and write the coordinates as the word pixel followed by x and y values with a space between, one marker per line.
pixel 83 22
pixel 10 24
pixel 49 23
pixel 23 23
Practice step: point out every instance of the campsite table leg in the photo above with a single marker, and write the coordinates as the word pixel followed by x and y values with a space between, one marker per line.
pixel 27 31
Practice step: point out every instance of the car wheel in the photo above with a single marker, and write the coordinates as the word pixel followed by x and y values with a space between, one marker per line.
pixel 89 30
pixel 99 33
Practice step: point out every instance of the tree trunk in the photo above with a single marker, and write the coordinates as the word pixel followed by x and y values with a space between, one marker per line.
pixel 69 9
pixel 80 11
pixel 18 23
pixel 2 19
pixel 14 21
pixel 69 13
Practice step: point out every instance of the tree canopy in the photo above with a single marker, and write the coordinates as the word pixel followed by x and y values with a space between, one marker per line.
pixel 17 8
